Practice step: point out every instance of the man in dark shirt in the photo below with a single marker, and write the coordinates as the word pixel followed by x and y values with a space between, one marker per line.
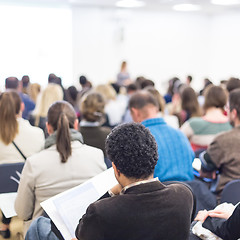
pixel 139 207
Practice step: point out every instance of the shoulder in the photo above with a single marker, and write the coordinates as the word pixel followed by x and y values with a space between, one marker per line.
pixel 26 126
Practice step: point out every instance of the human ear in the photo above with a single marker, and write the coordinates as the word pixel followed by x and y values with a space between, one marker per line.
pixel 49 128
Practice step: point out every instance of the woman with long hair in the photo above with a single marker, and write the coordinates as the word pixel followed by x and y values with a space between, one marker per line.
pixel 64 163
pixel 18 139
pixel 202 130
pixel 52 93
pixel 93 116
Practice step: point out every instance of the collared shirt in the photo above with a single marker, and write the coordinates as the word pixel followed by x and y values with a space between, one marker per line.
pixel 133 185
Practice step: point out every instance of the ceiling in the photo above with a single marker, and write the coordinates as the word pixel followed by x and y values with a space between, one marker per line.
pixel 158 5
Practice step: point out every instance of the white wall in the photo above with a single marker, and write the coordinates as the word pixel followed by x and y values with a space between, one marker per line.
pixel 93 42
pixel 35 41
pixel 156 45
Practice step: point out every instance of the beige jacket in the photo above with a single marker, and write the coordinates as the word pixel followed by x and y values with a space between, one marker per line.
pixel 29 140
pixel 44 176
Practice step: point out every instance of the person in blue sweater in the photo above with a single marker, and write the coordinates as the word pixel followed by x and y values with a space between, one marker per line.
pixel 174 150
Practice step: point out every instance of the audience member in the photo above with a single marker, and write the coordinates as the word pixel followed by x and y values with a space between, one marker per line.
pixel 52 78
pixel 34 90
pixel 72 97
pixel 50 94
pixel 131 89
pixel 113 108
pixel 189 80
pixel 139 207
pixel 221 222
pixel 29 105
pixel 85 85
pixel 232 84
pixel 73 163
pixel 18 139
pixel 171 120
pixel 173 85
pixel 189 104
pixel 202 130
pixel 14 128
pixel 25 82
pixel 175 153
pixel 206 83
pixel 92 110
pixel 147 83
pixel 223 154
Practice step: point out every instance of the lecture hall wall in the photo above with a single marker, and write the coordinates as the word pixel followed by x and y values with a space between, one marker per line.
pixel 93 42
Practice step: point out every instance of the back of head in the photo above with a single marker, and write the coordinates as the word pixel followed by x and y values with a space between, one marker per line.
pixel 131 88
pixel 52 93
pixel 147 82
pixel 10 104
pixel 25 81
pixel 11 83
pixel 116 87
pixel 107 91
pixel 71 95
pixel 82 80
pixel 34 90
pixel 61 117
pixel 158 97
pixel 142 98
pixel 215 96
pixel 234 101
pixel 92 107
pixel 123 65
pixel 190 102
pixel 232 84
pixel 52 78
pixel 133 150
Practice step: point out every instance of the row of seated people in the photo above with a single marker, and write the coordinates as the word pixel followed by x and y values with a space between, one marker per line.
pixel 175 153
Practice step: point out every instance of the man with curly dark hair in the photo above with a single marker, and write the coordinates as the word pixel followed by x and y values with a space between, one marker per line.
pixel 139 207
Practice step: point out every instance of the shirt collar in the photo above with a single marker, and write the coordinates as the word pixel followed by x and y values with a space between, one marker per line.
pixel 153 121
pixel 138 183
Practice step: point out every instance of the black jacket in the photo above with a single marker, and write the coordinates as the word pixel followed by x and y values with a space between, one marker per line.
pixel 149 211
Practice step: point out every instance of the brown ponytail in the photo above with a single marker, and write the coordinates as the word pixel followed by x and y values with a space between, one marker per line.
pixel 63 138
pixel 10 104
pixel 61 116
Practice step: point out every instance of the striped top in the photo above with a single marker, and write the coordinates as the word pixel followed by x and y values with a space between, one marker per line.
pixel 201 132
pixel 174 150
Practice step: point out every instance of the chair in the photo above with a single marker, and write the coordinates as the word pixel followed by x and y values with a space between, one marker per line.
pixel 231 192
pixel 10 176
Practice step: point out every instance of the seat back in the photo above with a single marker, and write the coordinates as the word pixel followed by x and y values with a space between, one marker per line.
pixel 10 176
pixel 231 192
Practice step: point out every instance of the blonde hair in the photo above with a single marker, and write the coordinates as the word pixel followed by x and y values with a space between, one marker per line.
pixel 34 90
pixel 107 91
pixel 49 95
pixel 10 104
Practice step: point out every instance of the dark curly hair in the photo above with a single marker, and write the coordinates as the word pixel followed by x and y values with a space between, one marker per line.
pixel 133 149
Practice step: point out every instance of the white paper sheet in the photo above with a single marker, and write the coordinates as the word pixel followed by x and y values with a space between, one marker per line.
pixel 7 201
pixel 65 209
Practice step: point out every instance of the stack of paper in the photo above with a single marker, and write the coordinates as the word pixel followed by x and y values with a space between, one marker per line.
pixel 65 209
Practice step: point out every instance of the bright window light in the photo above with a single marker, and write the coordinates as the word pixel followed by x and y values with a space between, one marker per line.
pixel 130 3
pixel 186 7
pixel 225 2
pixel 36 41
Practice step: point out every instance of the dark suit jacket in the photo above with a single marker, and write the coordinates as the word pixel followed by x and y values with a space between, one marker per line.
pixel 226 229
pixel 150 211
pixel 95 136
